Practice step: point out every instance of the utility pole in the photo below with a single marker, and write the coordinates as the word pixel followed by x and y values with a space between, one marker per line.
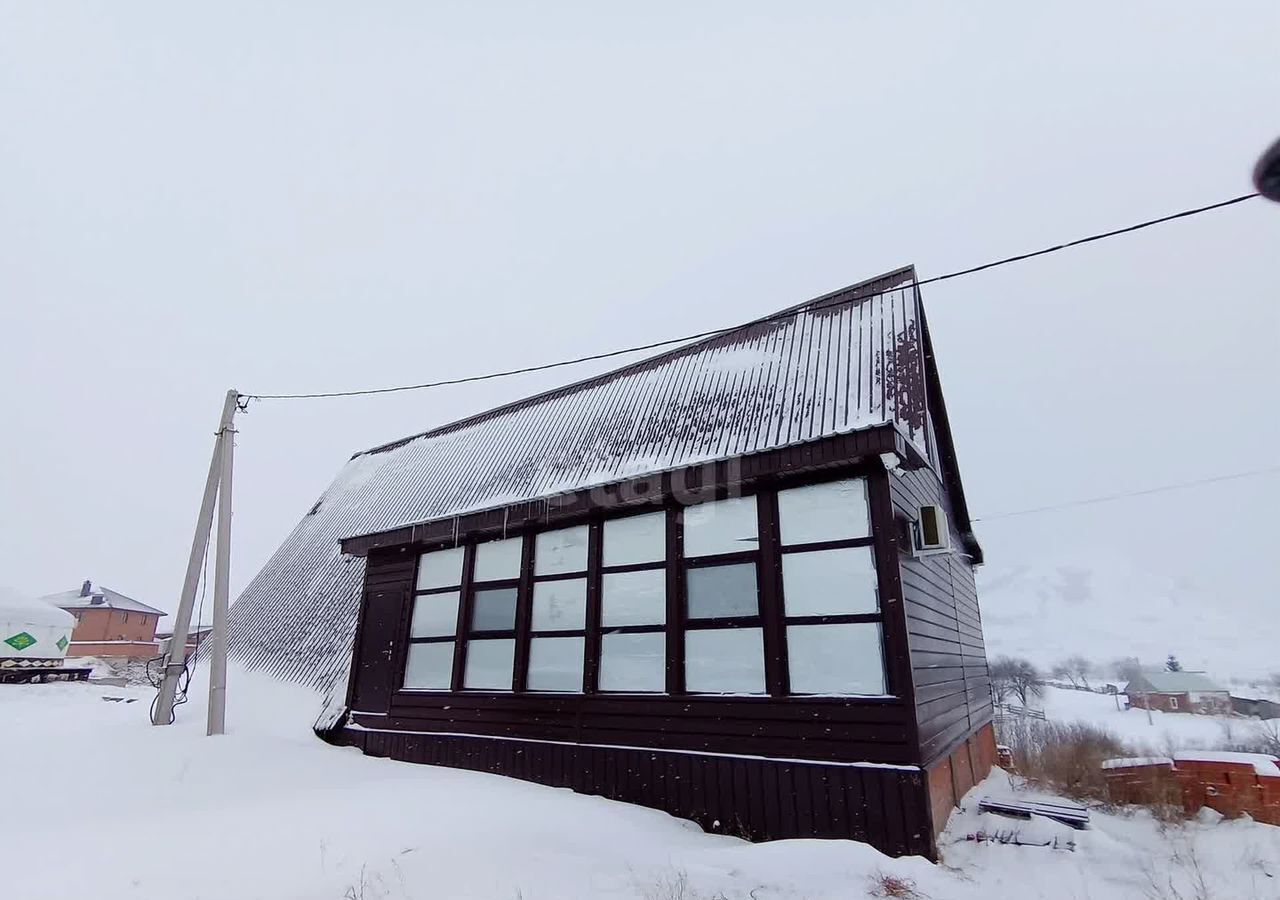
pixel 221 574
pixel 175 664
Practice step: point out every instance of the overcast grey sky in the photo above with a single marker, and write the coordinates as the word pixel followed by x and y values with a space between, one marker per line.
pixel 282 197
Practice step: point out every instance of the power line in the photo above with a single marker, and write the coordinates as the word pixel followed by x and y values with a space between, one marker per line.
pixel 788 314
pixel 1107 498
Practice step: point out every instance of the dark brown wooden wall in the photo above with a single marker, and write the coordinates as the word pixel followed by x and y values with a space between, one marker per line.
pixel 813 728
pixel 759 799
pixel 944 627
pixel 837 729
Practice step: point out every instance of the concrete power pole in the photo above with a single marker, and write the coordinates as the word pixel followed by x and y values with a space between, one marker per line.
pixel 221 575
pixel 176 662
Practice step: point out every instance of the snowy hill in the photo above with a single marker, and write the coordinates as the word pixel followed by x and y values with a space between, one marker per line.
pixel 1106 609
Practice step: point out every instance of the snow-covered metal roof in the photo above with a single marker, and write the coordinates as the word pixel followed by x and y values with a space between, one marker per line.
pixel 846 367
pixel 1177 683
pixel 844 362
pixel 18 607
pixel 98 597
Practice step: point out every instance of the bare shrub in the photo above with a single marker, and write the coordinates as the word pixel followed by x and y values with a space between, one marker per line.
pixel 885 885
pixel 1065 757
pixel 1258 737
pixel 674 885
pixel 1181 878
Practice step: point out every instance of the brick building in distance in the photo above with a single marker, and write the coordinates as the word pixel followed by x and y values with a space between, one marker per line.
pixel 1187 692
pixel 108 623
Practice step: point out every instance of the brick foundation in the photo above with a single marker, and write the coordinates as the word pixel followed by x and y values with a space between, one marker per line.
pixel 955 775
pixel 128 649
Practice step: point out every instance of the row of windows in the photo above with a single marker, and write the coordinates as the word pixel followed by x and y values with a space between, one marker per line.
pixel 829 602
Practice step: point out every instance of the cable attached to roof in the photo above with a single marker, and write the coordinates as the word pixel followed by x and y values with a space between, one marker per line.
pixel 836 300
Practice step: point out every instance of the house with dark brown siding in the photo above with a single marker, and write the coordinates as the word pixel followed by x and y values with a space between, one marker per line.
pixel 733 582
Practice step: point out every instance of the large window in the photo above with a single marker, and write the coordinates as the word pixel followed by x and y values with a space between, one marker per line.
pixel 491 633
pixel 633 604
pixel 558 623
pixel 724 639
pixel 434 626
pixel 771 593
pixel 830 599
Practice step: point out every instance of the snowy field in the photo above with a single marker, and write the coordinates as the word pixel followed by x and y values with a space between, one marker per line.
pixel 99 804
pixel 1161 734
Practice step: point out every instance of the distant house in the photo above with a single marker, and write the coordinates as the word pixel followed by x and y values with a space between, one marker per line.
pixel 1188 692
pixel 1260 708
pixel 108 623
pixel 198 635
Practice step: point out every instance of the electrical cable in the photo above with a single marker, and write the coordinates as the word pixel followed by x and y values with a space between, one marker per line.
pixel 837 300
pixel 1107 498
pixel 184 677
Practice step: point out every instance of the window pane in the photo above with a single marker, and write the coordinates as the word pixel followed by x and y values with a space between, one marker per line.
pixel 490 664
pixel 721 591
pixel 834 511
pixel 555 664
pixel 435 615
pixel 429 666
pixel 829 582
pixel 560 605
pixel 443 568
pixel 633 662
pixel 835 659
pixel 635 598
pixel 557 552
pixel 722 526
pixel 498 560
pixel 635 539
pixel 494 610
pixel 724 661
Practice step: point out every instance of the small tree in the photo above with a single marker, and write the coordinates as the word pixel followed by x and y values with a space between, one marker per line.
pixel 1126 668
pixel 1172 665
pixel 1014 677
pixel 1075 669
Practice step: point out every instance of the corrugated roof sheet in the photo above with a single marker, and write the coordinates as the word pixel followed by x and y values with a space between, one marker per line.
pixel 1180 682
pixel 856 362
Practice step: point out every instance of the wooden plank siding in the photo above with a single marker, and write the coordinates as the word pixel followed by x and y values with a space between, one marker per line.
pixel 765 766
pixel 944 626
pixel 758 799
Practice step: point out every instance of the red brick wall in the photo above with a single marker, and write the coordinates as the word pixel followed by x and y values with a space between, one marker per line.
pixel 1231 788
pixel 942 797
pixel 130 649
pixel 1210 703
pixel 953 777
pixel 113 625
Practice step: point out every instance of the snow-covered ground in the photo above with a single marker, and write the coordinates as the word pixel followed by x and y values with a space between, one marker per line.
pixel 1161 734
pixel 99 804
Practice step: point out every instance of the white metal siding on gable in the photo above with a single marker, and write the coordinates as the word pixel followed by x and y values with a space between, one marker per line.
pixel 840 369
